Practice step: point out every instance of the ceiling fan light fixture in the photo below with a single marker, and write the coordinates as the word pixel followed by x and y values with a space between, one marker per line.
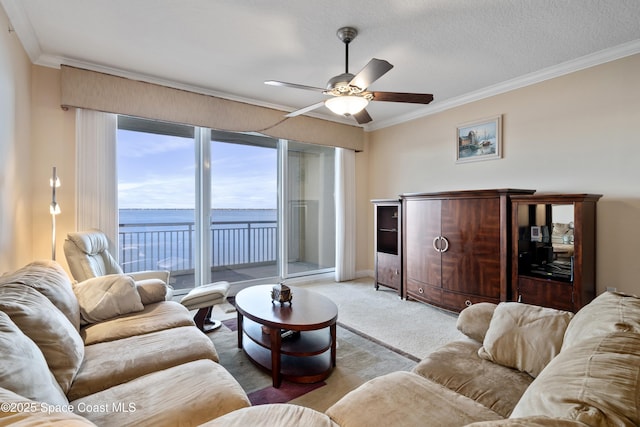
pixel 346 105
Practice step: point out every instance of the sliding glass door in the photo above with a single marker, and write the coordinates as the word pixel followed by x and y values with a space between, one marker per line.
pixel 210 205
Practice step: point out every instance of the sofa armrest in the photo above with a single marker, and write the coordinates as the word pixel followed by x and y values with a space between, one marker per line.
pixel 153 285
pixel 474 320
pixel 540 421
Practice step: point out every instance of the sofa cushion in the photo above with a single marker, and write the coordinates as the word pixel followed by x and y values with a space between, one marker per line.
pixel 596 381
pixel 154 317
pixel 45 325
pixel 609 312
pixel 273 415
pixel 402 399
pixel 24 412
pixel 474 320
pixel 115 362
pixel 23 369
pixel 524 337
pixel 48 278
pixel 458 367
pixel 185 395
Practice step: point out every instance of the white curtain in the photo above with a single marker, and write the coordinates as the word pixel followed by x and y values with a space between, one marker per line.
pixel 345 214
pixel 97 192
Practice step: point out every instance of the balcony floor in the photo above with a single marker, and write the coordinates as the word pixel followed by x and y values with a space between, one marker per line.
pixel 185 281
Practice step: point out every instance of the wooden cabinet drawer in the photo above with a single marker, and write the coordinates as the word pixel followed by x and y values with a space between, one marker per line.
pixel 458 302
pixel 425 293
pixel 388 271
pixel 547 293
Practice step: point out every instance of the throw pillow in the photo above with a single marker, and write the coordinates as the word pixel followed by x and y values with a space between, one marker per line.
pixel 106 297
pixel 524 337
pixel 47 327
pixel 23 369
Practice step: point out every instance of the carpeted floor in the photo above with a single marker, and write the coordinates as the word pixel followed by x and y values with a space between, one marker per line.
pixel 377 333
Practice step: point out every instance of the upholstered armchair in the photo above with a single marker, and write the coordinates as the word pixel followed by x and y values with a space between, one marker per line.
pixel 88 256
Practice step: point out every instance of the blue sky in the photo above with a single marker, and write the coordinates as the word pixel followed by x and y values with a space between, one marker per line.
pixel 158 171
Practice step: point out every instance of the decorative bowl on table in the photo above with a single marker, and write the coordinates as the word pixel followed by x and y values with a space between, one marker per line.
pixel 281 293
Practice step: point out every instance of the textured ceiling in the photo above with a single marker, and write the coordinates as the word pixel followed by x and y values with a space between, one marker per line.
pixel 459 50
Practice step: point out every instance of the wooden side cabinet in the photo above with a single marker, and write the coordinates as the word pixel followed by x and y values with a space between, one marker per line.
pixel 554 257
pixel 388 245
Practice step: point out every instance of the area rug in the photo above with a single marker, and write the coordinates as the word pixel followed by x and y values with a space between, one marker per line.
pixel 358 359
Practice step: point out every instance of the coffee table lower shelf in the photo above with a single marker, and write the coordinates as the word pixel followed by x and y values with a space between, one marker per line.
pixel 303 359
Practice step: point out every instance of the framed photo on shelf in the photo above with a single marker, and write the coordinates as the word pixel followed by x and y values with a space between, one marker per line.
pixel 536 234
pixel 479 140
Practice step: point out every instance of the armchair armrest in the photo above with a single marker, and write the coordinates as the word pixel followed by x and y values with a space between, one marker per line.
pixel 150 274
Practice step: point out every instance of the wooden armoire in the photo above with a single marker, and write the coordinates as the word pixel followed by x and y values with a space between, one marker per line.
pixel 457 247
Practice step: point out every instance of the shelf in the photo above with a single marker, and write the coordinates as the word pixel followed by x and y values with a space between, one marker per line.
pixel 302 369
pixel 308 343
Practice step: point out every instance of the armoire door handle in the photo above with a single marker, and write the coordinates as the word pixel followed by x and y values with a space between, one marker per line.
pixel 446 244
pixel 437 249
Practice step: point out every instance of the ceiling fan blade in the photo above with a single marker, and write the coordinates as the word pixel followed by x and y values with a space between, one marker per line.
pixel 305 109
pixel 413 98
pixel 362 117
pixel 293 85
pixel 371 72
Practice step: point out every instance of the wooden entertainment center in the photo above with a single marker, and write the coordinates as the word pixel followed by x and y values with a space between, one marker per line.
pixel 557 269
pixel 459 248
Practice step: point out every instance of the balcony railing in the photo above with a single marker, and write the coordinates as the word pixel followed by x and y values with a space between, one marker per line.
pixel 171 246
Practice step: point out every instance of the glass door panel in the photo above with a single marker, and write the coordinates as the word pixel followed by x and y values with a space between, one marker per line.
pixel 244 200
pixel 310 208
pixel 156 198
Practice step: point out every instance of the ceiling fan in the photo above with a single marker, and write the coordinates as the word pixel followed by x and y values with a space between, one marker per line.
pixel 348 92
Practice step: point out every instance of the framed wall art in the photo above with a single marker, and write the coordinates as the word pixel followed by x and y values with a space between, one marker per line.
pixel 479 140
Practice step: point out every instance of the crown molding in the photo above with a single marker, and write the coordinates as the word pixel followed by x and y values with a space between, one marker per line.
pixel 23 28
pixel 564 68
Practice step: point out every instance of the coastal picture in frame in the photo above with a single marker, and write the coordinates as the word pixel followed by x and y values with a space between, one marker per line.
pixel 479 140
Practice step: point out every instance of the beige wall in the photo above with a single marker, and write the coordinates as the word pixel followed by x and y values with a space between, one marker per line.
pixel 53 144
pixel 576 133
pixel 15 152
pixel 35 135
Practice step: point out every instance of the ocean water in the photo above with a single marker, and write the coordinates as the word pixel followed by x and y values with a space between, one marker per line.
pixel 155 216
pixel 165 238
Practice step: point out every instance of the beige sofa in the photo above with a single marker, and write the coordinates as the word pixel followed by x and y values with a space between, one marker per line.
pixel 521 365
pixel 96 353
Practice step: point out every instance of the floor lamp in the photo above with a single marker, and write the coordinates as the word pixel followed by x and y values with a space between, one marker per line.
pixel 54 209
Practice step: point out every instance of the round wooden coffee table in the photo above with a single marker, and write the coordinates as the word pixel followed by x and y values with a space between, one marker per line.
pixel 308 355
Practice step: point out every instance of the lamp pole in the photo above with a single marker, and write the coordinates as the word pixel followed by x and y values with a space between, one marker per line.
pixel 54 209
